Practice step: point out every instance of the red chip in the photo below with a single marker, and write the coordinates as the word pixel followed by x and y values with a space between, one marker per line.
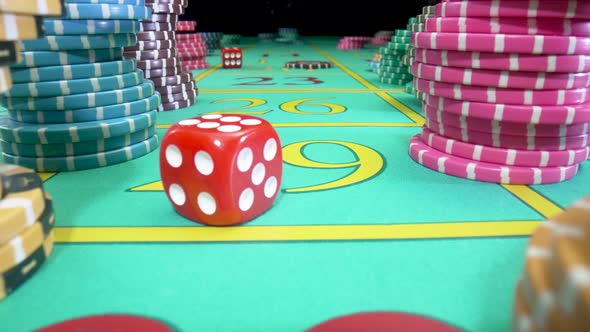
pixel 383 322
pixel 110 323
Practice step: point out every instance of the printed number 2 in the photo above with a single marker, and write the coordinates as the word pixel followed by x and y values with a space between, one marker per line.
pixel 251 102
pixel 293 106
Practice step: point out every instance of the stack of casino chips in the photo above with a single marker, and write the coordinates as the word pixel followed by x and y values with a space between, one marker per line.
pixel 506 90
pixel 26 226
pixel 212 40
pixel 21 21
pixel 553 292
pixel 381 38
pixel 287 35
pixel 192 50
pixel 157 54
pixel 375 62
pixel 408 59
pixel 75 102
pixel 392 69
pixel 352 42
pixel 230 40
pixel 266 37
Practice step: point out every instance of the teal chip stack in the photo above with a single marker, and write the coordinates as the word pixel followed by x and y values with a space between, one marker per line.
pixel 266 37
pixel 212 40
pixel 408 59
pixel 229 40
pixel 287 35
pixel 76 103
pixel 391 67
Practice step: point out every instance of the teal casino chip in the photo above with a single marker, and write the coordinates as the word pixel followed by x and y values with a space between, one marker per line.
pixel 78 148
pixel 83 100
pixel 102 11
pixel 78 86
pixel 79 42
pixel 64 58
pixel 72 72
pixel 86 161
pixel 110 2
pixel 16 132
pixel 89 27
pixel 89 114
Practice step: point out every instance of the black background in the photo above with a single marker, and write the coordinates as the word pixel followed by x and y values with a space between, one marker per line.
pixel 310 17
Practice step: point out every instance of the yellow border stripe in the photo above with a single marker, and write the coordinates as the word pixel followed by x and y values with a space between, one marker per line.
pixel 344 124
pixel 46 176
pixel 315 90
pixel 294 233
pixel 328 124
pixel 533 199
pixel 206 73
pixel 392 101
pixel 414 116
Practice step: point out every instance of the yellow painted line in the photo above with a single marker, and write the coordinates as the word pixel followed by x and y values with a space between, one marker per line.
pixel 354 75
pixel 294 233
pixel 344 124
pixel 289 72
pixel 535 200
pixel 207 72
pixel 46 176
pixel 328 124
pixel 392 101
pixel 312 90
pixel 416 117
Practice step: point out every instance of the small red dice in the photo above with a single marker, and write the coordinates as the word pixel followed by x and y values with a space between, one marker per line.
pixel 221 169
pixel 231 57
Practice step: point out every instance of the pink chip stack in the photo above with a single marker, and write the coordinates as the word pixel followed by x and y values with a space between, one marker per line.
pixel 506 90
pixel 191 47
pixel 352 43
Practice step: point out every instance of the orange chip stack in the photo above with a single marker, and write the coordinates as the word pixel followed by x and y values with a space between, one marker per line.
pixel 554 291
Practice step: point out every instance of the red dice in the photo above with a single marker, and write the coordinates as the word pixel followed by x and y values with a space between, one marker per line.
pixel 221 170
pixel 231 57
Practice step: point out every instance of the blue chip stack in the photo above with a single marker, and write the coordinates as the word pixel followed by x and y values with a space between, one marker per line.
pixel 76 103
pixel 374 66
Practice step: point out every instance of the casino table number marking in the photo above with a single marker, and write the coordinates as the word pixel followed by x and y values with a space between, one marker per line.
pixel 367 165
pixel 292 106
pixel 313 80
pixel 305 80
pixel 260 81
pixel 252 102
